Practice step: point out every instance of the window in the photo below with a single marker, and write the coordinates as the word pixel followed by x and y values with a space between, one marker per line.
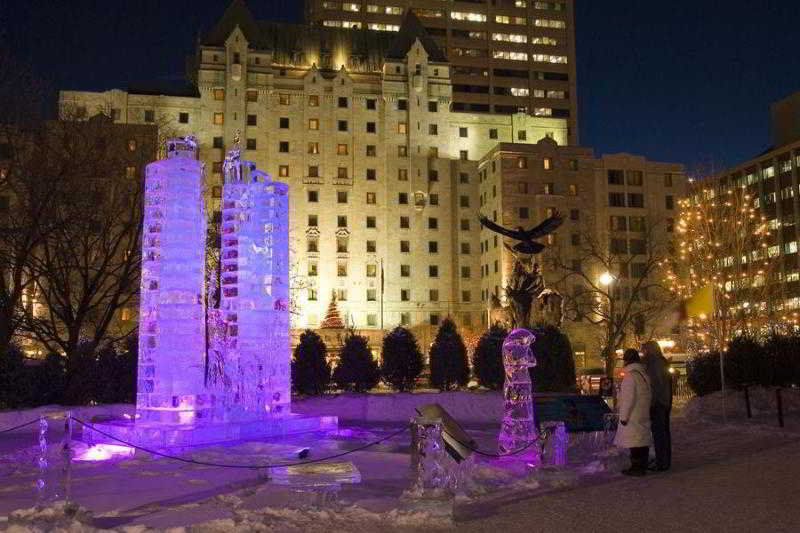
pixel 573 164
pixel 252 120
pixel 402 150
pixel 313 148
pixel 219 118
pixel 463 155
pixel 371 223
pixel 371 104
pixel 433 223
pixel 341 149
pixel 549 188
pixel 341 125
pixel 433 295
pixel 433 199
pixel 217 142
pixel 219 94
pixel 668 180
pixel 251 144
pixel 371 198
pixel 313 100
pixel 371 150
pixel 371 174
pixel 463 177
pixel 252 96
pixel 405 247
pixel 618 223
pixel 283 171
pixel 434 319
pixel 635 200
pixel 524 212
pixel 341 197
pixel 433 129
pixel 522 135
pixel 341 269
pixel 463 132
pixel 372 246
pixel 433 152
pixel 405 318
pixel 402 198
pixel 312 244
pixel 402 105
pixel 635 177
pixel 616 177
pixel 572 189
pixel 216 167
pixel 404 223
pixel 402 127
pixel 341 173
pixel 313 220
pixel 283 147
pixel 183 118
pixel 464 224
pixel 312 269
pixel 283 123
pixel 636 224
pixel 547 163
pixel 405 271
pixel 313 123
pixel 371 128
pixel 433 247
pixel 371 293
pixel 341 295
pixel 669 202
pixel 616 199
pixel 433 271
pixel 284 99
pixel 313 196
pixel 312 294
pixel 433 175
pixel 618 246
pixel 493 133
pixel 638 246
pixel 342 101
pixel 341 221
pixel 402 174
pixel 522 162
pixel 150 115
pixel 463 201
pixel 372 270
pixel 574 214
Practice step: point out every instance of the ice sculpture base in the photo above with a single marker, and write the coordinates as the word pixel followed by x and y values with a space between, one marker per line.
pixel 161 436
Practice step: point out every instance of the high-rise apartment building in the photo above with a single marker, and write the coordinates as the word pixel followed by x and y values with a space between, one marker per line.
pixel 506 55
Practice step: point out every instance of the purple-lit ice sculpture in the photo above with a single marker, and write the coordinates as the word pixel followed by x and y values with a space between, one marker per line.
pixel 255 291
pixel 170 388
pixel 518 431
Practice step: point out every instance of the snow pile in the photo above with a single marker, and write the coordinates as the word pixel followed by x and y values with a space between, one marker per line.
pixel 762 401
pixel 59 516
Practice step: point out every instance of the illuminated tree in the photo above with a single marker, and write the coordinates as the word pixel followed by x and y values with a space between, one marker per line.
pixel 727 256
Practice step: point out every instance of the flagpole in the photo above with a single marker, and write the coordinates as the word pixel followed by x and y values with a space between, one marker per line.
pixel 381 293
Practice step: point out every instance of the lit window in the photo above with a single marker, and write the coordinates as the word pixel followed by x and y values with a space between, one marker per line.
pixel 547 163
pixel 313 100
pixel 313 148
pixel 284 99
pixel 219 118
pixel 341 149
pixel 283 171
pixel 219 94
pixel 313 123
pixel 402 127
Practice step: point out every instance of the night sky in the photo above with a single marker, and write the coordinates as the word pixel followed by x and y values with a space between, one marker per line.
pixel 686 80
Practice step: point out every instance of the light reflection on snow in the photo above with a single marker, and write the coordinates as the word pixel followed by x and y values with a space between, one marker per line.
pixel 104 452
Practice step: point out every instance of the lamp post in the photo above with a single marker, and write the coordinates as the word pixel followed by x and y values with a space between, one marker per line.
pixel 606 279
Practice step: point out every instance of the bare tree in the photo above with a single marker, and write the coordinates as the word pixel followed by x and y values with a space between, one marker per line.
pixel 725 248
pixel 86 269
pixel 613 280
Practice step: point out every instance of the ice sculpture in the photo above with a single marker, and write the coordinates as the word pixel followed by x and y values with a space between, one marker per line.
pixel 170 386
pixel 556 441
pixel 518 431
pixel 255 290
pixel 430 465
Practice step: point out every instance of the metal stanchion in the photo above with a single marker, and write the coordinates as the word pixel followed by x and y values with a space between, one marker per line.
pixel 66 455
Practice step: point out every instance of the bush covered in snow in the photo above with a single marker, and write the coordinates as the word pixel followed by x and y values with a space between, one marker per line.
pixel 448 358
pixel 401 359
pixel 487 360
pixel 357 371
pixel 311 372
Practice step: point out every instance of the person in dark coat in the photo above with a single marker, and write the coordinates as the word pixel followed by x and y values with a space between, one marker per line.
pixel 661 385
pixel 633 431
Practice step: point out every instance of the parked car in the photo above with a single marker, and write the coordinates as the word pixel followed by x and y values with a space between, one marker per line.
pixel 589 380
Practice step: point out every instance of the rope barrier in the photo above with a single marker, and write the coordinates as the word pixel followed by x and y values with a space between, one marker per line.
pixel 19 426
pixel 248 467
pixel 488 454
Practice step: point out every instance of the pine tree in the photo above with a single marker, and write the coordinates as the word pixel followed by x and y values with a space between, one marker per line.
pixel 555 361
pixel 357 371
pixel 487 360
pixel 448 358
pixel 401 362
pixel 311 372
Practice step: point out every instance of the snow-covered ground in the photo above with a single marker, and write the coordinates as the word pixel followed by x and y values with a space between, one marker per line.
pixel 140 492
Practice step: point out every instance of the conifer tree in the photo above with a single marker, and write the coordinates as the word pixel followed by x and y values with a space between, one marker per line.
pixel 487 361
pixel 311 372
pixel 401 362
pixel 448 358
pixel 357 371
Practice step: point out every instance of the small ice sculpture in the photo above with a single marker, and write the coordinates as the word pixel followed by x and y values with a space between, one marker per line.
pixel 41 481
pixel 170 387
pixel 255 289
pixel 518 431
pixel 431 472
pixel 554 449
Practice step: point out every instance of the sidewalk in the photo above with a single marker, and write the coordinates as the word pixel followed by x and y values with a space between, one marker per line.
pixel 755 492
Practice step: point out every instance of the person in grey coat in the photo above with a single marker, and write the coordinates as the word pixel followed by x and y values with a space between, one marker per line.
pixel 633 401
pixel 661 384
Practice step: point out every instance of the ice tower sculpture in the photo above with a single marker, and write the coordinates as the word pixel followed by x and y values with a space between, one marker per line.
pixel 518 431
pixel 255 289
pixel 170 388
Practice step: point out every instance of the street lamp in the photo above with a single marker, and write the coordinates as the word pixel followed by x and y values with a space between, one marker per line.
pixel 606 278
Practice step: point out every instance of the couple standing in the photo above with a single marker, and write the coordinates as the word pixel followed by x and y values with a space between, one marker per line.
pixel 645 401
